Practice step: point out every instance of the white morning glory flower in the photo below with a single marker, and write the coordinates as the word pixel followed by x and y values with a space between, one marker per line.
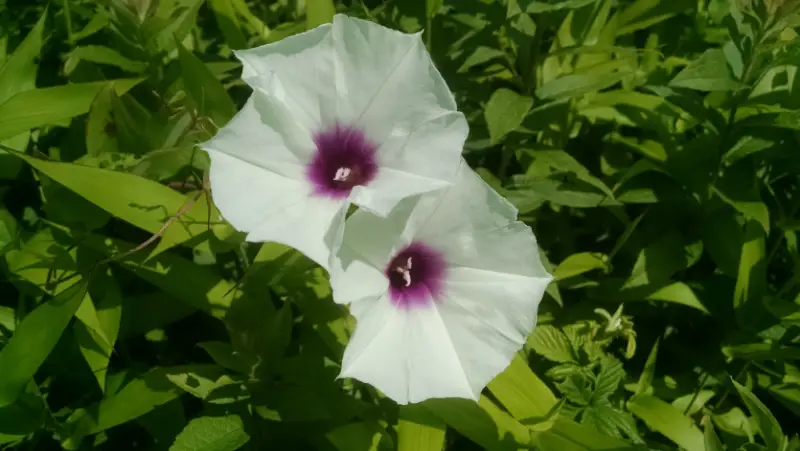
pixel 349 112
pixel 445 291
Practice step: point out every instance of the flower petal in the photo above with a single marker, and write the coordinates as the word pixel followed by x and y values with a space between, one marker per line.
pixel 357 269
pixel 407 354
pixel 263 134
pixel 387 77
pixel 389 187
pixel 312 225
pixel 298 70
pixel 476 205
pixel 507 250
pixel 271 207
pixel 488 317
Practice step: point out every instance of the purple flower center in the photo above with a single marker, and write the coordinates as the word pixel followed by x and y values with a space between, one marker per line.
pixel 416 275
pixel 344 159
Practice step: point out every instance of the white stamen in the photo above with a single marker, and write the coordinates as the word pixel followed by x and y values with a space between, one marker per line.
pixel 407 277
pixel 405 271
pixel 342 174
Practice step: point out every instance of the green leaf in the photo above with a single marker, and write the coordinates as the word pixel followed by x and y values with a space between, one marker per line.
pixel 751 280
pixel 20 420
pixel 359 436
pixel 205 92
pixel 33 340
pixel 52 106
pixel 319 12
pixel 483 422
pixel 768 426
pixel 521 391
pixel 136 398
pixel 566 435
pixel 141 202
pixel 582 262
pixel 197 286
pixel 97 344
pixel 740 188
pixel 224 355
pixel 667 420
pixel 644 386
pixel 551 343
pixel 225 433
pixel 102 55
pixel 709 72
pixel 608 379
pixel 560 160
pixel 538 6
pixel 593 78
pixel 8 230
pixel 100 125
pixel 504 112
pixel 419 430
pixel 18 72
pixel 228 23
pixel 710 436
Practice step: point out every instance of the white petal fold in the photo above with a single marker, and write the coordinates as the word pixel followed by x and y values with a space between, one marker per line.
pixel 271 207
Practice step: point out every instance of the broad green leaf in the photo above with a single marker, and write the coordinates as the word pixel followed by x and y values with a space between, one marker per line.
pixel 659 261
pixel 521 391
pixel 141 202
pixel 52 106
pixel 8 229
pixel 646 13
pixel 100 124
pixel 504 112
pixel 551 343
pixel 667 420
pixel 566 435
pixel 97 344
pixel 136 398
pixel 21 419
pixel 644 386
pixel 593 78
pixel 723 237
pixel 709 72
pixel 223 433
pixel 102 55
pixel 608 379
pixel 540 6
pixel 698 399
pixel 768 426
pixel 675 292
pixel 577 264
pixel 419 430
pixel 562 161
pixel 18 72
pixel 319 12
pixel 228 23
pixel 358 436
pixel 195 285
pixel 224 354
pixel 33 340
pixel 740 188
pixel 710 437
pixel 484 423
pixel 197 380
pixel 751 280
pixel 205 92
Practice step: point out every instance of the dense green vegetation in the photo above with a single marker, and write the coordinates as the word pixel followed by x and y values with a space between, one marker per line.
pixel 652 145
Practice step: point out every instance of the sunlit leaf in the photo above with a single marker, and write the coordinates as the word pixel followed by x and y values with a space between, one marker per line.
pixel 667 420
